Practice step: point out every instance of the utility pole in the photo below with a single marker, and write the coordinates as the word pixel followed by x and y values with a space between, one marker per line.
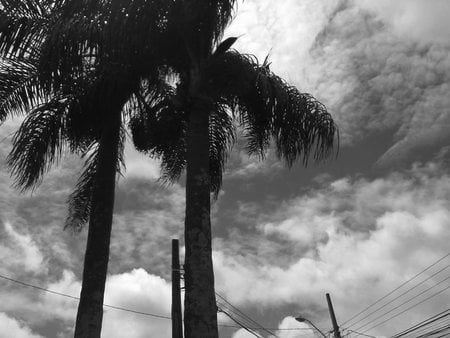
pixel 177 327
pixel 337 334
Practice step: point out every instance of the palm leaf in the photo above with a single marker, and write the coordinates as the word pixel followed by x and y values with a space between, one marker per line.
pixel 222 136
pixel 38 143
pixel 19 87
pixel 270 109
pixel 79 201
pixel 23 25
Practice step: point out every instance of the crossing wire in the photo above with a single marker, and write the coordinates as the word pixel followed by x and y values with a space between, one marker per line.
pixel 125 309
pixel 243 315
pixel 239 323
pixel 402 294
pixel 427 321
pixel 398 287
pixel 435 331
pixel 77 298
pixel 409 308
pixel 436 326
pixel 405 302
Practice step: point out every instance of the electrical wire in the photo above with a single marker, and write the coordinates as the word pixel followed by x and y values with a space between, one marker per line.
pixel 243 315
pixel 77 298
pixel 435 331
pixel 240 324
pixel 435 326
pixel 402 294
pixel 398 287
pixel 405 302
pixel 126 309
pixel 360 333
pixel 409 308
pixel 423 323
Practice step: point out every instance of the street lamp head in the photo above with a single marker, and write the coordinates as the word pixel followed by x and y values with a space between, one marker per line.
pixel 303 320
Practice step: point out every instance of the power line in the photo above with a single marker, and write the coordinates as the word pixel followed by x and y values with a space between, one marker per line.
pixel 130 310
pixel 427 321
pixel 402 294
pixel 77 298
pixel 409 308
pixel 398 287
pixel 427 330
pixel 240 324
pixel 405 302
pixel 243 315
pixel 360 333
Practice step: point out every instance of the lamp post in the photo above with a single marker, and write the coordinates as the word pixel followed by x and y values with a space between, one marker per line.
pixel 304 320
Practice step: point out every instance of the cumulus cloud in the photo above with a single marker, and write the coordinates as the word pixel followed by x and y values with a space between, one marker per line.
pixel 136 290
pixel 139 165
pixel 378 66
pixel 414 19
pixel 287 328
pixel 342 239
pixel 20 251
pixel 10 327
pixel 147 216
pixel 139 291
pixel 242 166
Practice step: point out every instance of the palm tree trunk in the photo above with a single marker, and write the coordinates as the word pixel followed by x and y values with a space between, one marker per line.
pixel 200 304
pixel 90 309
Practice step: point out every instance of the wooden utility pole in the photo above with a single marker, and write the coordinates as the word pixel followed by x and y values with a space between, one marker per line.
pixel 177 321
pixel 337 334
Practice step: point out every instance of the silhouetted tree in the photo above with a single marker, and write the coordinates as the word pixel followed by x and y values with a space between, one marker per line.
pixel 214 86
pixel 194 87
pixel 63 63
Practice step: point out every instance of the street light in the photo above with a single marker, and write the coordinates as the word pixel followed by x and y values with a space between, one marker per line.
pixel 303 320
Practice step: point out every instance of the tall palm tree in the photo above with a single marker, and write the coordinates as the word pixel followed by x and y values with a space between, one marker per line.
pixel 214 86
pixel 78 84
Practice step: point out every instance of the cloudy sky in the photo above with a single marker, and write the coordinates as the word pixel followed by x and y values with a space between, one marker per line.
pixel 356 227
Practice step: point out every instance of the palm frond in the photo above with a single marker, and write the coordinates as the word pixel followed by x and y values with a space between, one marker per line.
pixel 159 129
pixel 222 136
pixel 23 24
pixel 270 109
pixel 194 28
pixel 38 143
pixel 19 87
pixel 79 201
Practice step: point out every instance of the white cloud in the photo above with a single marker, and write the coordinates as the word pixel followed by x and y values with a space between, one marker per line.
pixel 139 291
pixel 289 322
pixel 241 165
pixel 21 250
pixel 242 333
pixel 65 308
pixel 139 165
pixel 377 65
pixel 414 19
pixel 343 239
pixel 135 290
pixel 10 327
pixel 287 328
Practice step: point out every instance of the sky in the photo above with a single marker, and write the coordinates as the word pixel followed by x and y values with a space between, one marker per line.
pixel 356 226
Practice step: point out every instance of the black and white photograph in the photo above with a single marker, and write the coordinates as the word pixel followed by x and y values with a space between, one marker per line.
pixel 232 169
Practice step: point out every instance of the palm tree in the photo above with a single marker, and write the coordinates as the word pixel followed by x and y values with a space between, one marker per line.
pixel 214 86
pixel 77 84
